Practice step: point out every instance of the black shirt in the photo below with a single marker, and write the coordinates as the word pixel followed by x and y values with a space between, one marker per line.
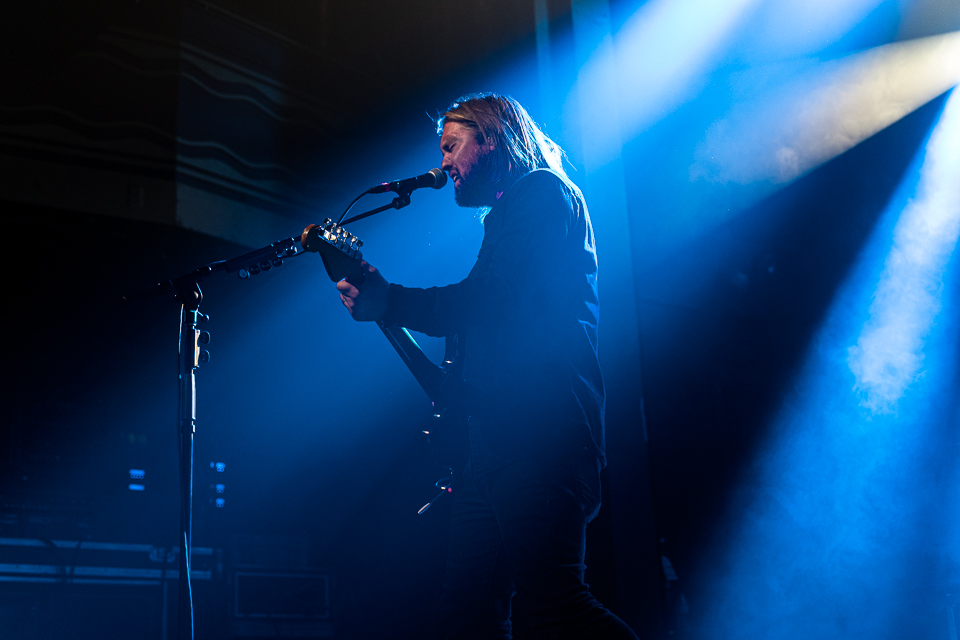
pixel 527 313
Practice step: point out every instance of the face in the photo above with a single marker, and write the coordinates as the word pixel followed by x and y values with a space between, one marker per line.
pixel 469 164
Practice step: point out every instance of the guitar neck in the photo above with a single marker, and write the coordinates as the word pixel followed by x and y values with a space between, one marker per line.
pixel 340 252
pixel 428 375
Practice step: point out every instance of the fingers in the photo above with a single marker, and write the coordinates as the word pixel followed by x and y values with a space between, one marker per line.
pixel 348 294
pixel 366 300
pixel 348 289
pixel 351 286
pixel 359 281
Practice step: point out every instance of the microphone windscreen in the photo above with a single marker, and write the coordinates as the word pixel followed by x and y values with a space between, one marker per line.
pixel 441 178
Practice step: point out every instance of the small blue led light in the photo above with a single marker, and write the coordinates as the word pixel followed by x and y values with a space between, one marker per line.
pixel 220 467
pixel 136 487
pixel 137 474
pixel 220 502
pixel 219 488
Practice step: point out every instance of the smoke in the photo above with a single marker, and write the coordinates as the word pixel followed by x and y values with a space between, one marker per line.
pixel 795 116
pixel 837 529
pixel 889 354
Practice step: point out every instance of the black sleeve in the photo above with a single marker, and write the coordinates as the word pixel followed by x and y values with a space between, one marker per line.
pixel 535 220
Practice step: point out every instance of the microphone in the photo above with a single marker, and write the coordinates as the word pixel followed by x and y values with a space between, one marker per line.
pixel 435 179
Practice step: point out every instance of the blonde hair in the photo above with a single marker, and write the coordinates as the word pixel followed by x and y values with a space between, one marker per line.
pixel 519 145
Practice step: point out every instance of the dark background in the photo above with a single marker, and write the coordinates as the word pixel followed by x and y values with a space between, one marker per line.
pixel 141 140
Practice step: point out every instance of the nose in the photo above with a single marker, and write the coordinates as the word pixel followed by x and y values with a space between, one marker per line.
pixel 446 164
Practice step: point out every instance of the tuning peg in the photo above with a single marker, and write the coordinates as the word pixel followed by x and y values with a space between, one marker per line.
pixel 204 337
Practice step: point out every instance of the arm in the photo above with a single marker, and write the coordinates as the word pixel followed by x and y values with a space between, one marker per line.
pixel 515 270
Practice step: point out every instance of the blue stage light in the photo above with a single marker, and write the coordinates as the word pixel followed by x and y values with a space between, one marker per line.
pixel 838 525
pixel 890 351
pixel 793 117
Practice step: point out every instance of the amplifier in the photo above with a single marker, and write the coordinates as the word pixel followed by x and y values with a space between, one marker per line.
pixel 277 590
pixel 52 589
pixel 87 562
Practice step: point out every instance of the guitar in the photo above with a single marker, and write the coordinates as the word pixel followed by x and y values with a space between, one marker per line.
pixel 340 252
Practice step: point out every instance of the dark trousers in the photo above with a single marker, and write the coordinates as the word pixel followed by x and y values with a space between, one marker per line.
pixel 518 526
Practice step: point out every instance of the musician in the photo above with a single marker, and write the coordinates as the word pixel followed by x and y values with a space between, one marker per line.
pixel 526 317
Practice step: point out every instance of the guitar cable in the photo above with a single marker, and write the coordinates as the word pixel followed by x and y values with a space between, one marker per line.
pixel 350 206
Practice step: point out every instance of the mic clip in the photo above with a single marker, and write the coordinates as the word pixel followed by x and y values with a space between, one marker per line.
pixel 402 199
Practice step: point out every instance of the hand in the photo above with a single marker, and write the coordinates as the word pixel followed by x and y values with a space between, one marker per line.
pixel 367 300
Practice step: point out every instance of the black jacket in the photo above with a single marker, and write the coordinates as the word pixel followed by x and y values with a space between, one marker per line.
pixel 527 314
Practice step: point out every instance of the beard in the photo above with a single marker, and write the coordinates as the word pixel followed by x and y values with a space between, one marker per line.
pixel 477 188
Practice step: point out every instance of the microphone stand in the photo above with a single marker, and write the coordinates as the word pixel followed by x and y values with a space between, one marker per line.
pixel 186 290
pixel 402 200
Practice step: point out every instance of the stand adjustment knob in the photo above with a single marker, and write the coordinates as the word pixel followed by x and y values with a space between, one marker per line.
pixel 204 356
pixel 204 337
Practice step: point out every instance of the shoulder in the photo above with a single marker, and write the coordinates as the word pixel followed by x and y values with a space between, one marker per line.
pixel 545 180
pixel 544 188
pixel 537 202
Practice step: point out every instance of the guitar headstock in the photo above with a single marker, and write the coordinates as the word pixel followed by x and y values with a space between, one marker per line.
pixel 339 249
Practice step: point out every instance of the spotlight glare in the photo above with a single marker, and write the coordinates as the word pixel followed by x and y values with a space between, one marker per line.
pixel 847 497
pixel 822 109
pixel 888 356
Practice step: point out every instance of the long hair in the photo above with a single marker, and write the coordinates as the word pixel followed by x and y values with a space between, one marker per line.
pixel 519 144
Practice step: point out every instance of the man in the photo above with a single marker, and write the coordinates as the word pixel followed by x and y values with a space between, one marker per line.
pixel 526 321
